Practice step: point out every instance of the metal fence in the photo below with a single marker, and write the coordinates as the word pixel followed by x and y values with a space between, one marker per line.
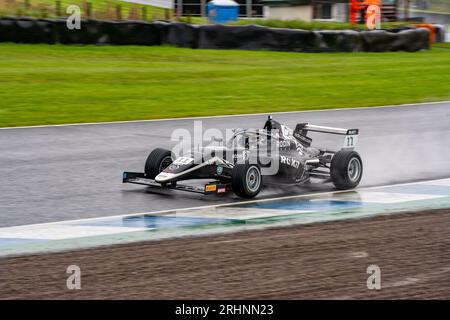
pixel 197 8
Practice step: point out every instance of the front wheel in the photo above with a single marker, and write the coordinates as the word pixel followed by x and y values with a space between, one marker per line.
pixel 246 180
pixel 346 169
pixel 157 161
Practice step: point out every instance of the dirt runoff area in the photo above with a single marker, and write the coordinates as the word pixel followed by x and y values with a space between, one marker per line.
pixel 326 260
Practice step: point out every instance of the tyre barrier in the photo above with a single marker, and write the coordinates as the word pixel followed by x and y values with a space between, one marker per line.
pixel 132 33
pixel 253 37
pixel 92 32
pixel 249 37
pixel 340 41
pixel 440 33
pixel 27 30
pixel 407 40
pixel 181 35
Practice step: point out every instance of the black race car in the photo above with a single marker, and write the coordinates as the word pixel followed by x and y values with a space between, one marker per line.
pixel 252 158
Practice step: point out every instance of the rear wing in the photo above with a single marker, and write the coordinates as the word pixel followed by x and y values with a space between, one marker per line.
pixel 350 139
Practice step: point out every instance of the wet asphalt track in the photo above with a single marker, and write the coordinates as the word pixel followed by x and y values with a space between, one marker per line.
pixel 73 172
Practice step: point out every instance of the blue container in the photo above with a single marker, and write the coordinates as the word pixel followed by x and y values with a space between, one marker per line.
pixel 222 11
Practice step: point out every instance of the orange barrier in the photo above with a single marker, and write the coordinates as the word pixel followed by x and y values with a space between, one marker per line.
pixel 431 30
pixel 372 2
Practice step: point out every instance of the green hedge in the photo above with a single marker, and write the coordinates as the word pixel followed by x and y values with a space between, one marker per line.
pixel 100 9
pixel 316 25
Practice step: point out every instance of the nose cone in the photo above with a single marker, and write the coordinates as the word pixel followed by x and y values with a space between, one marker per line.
pixel 175 170
pixel 164 177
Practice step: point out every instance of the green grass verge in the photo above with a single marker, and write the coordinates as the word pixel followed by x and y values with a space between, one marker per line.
pixel 44 84
pixel 442 45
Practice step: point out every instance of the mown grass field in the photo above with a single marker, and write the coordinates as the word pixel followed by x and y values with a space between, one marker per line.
pixel 43 84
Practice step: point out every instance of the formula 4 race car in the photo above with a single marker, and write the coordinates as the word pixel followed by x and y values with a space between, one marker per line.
pixel 274 155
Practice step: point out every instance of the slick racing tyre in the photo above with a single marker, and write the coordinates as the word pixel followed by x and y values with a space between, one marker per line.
pixel 157 161
pixel 246 180
pixel 346 169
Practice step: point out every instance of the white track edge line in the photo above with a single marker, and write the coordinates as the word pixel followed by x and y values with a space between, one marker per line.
pixel 221 116
pixel 222 204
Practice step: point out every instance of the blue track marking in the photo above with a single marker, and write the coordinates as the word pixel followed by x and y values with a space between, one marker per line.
pixel 156 222
pixel 312 205
pixel 313 208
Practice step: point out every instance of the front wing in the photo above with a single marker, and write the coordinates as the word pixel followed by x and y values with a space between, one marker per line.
pixel 214 187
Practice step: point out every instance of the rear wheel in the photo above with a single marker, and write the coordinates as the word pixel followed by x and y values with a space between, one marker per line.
pixel 246 180
pixel 157 161
pixel 346 169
